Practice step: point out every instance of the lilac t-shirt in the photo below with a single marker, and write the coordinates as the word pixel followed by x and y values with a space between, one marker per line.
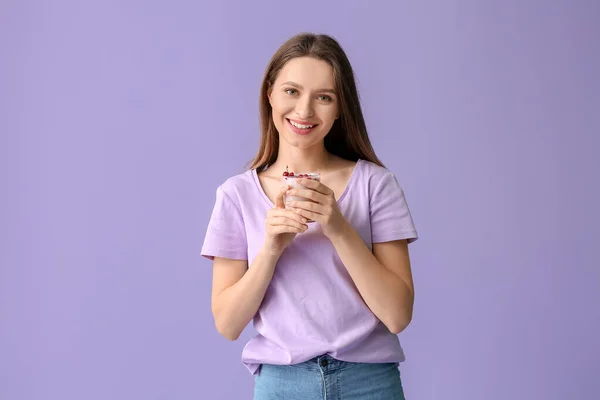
pixel 312 306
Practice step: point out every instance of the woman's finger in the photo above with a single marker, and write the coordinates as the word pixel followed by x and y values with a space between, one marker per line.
pixel 308 206
pixel 287 213
pixel 309 194
pixel 281 229
pixel 279 201
pixel 283 221
pixel 315 185
pixel 307 214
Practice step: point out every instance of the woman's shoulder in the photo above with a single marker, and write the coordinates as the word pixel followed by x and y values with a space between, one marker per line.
pixel 238 186
pixel 374 173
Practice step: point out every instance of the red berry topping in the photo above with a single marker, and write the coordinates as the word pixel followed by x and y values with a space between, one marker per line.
pixel 291 174
pixel 286 173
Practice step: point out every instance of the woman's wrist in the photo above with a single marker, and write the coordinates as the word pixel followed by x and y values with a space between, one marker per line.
pixel 340 233
pixel 269 253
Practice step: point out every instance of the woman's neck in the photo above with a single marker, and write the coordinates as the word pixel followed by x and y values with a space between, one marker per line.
pixel 302 160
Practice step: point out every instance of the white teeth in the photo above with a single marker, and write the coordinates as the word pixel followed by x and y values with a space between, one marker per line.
pixel 300 126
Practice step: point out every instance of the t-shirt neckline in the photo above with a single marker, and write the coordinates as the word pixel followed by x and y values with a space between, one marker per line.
pixel 342 196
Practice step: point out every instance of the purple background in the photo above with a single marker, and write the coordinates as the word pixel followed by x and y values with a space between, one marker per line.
pixel 120 118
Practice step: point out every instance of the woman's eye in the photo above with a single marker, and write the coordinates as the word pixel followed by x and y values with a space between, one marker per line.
pixel 291 92
pixel 325 98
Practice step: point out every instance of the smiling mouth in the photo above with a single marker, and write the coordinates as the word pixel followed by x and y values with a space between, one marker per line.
pixel 300 126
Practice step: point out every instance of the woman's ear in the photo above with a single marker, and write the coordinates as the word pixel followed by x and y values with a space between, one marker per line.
pixel 269 91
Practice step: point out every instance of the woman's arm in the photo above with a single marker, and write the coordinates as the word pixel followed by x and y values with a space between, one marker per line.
pixel 383 277
pixel 238 291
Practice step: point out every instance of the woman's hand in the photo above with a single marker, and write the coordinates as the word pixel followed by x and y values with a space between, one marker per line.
pixel 282 226
pixel 321 206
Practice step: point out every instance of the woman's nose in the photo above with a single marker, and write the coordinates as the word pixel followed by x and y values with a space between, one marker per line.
pixel 304 108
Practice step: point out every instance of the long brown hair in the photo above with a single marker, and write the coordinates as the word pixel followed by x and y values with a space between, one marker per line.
pixel 348 136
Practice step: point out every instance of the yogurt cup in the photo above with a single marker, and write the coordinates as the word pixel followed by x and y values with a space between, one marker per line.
pixel 291 179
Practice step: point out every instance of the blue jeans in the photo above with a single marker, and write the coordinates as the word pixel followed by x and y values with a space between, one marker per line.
pixel 326 378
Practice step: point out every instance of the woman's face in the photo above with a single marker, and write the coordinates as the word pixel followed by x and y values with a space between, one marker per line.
pixel 304 101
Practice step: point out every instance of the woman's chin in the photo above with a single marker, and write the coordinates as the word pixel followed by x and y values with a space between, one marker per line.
pixel 303 143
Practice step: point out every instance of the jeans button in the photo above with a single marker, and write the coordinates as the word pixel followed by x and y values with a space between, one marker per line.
pixel 324 363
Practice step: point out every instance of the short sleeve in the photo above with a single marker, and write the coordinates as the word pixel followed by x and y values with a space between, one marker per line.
pixel 226 233
pixel 390 215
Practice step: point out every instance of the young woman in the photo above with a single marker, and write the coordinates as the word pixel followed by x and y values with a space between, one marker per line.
pixel 325 276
